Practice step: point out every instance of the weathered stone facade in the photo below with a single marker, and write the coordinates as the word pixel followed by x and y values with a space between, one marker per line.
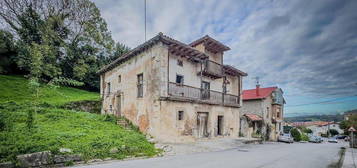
pixel 168 110
pixel 270 109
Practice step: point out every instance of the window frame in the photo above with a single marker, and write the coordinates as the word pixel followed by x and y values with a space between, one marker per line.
pixel 180 115
pixel 108 88
pixel 182 79
pixel 140 85
pixel 119 78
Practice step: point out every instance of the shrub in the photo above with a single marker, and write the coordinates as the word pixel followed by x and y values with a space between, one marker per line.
pixel 295 134
pixel 307 130
pixel 304 137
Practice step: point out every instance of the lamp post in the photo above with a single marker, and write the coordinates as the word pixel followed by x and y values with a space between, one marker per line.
pixel 351 129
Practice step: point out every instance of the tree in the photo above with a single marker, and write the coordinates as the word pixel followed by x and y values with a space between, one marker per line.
pixel 346 124
pixel 7 52
pixel 295 134
pixel 76 37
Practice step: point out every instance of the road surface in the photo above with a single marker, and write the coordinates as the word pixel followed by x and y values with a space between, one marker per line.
pixel 273 155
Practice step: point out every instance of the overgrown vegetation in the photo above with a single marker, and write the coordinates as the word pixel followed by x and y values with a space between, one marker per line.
pixel 67 39
pixel 346 124
pixel 91 135
pixel 16 88
pixel 295 134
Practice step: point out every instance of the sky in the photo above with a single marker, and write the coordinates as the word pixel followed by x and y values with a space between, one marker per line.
pixel 307 48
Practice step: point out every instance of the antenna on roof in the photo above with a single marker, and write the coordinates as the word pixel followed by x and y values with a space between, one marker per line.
pixel 257 86
pixel 145 17
pixel 257 80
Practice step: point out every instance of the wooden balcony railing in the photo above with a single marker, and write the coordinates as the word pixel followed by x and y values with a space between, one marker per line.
pixel 212 69
pixel 185 92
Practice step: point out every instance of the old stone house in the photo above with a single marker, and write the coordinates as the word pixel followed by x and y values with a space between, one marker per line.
pixel 173 91
pixel 262 113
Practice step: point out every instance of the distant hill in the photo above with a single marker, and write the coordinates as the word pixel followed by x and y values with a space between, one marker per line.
pixel 336 118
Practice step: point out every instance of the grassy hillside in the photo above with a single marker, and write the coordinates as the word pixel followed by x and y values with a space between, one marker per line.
pixel 91 135
pixel 15 88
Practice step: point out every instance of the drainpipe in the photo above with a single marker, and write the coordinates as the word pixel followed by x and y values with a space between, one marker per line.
pixel 201 61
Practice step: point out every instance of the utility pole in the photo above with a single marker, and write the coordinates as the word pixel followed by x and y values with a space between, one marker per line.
pixel 145 17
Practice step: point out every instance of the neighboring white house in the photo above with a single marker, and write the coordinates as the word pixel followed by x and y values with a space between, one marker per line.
pixel 319 128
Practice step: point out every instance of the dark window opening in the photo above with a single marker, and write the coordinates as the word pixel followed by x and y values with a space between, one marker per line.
pixel 119 78
pixel 179 62
pixel 140 85
pixel 180 115
pixel 179 79
pixel 205 93
pixel 220 125
pixel 108 88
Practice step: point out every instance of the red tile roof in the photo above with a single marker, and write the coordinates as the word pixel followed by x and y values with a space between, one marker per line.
pixel 253 117
pixel 310 123
pixel 251 94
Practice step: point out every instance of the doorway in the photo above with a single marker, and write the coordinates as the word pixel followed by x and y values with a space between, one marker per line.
pixel 220 125
pixel 202 120
pixel 118 105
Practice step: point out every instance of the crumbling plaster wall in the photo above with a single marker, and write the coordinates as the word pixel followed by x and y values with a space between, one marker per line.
pixel 142 111
pixel 190 72
pixel 186 130
pixel 259 107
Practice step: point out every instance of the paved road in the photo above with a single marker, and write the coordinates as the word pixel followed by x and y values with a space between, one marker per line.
pixel 276 155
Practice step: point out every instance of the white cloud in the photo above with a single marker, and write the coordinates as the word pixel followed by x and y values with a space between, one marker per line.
pixel 305 47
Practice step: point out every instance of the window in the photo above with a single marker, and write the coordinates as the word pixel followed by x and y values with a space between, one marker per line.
pixel 140 85
pixel 180 115
pixel 179 79
pixel 119 78
pixel 267 112
pixel 108 88
pixel 278 113
pixel 220 125
pixel 205 92
pixel 110 108
pixel 179 62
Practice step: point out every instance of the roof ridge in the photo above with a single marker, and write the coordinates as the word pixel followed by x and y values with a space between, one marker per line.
pixel 262 88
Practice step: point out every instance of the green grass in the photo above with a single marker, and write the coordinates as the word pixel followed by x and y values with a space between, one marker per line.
pixel 16 88
pixel 88 134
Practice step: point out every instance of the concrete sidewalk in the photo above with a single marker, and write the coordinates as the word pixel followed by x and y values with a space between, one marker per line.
pixel 204 145
pixel 350 160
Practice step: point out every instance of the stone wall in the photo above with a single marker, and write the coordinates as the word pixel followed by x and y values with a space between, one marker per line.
pixel 263 108
pixel 152 114
pixel 170 129
pixel 91 106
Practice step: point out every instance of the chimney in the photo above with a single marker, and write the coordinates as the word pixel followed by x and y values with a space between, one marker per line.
pixel 257 89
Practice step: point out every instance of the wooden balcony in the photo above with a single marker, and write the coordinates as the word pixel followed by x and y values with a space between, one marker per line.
pixel 212 69
pixel 188 93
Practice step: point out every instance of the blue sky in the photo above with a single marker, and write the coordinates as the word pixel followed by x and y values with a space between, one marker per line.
pixel 308 48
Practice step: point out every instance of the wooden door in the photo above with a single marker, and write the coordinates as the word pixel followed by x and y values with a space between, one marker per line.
pixel 118 105
pixel 202 120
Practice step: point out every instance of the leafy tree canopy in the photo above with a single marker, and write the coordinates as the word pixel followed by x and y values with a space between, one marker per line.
pixel 70 36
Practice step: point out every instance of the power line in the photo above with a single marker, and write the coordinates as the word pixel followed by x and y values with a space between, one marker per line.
pixel 322 102
pixel 145 17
